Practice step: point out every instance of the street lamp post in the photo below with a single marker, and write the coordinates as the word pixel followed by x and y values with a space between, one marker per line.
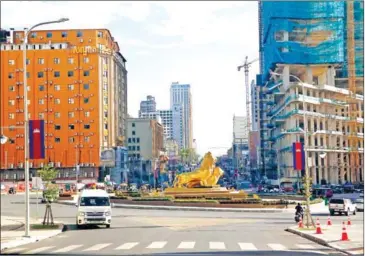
pixel 307 183
pixel 26 119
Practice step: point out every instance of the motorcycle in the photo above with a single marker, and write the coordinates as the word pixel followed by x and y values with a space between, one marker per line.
pixel 12 191
pixel 298 216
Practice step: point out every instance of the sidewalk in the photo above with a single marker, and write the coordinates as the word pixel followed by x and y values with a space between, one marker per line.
pixel 332 237
pixel 12 232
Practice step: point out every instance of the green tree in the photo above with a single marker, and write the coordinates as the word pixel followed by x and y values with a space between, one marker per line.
pixel 48 174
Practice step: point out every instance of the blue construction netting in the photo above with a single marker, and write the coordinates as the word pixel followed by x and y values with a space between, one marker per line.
pixel 307 32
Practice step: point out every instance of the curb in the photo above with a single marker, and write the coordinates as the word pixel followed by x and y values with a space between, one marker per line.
pixel 320 241
pixel 191 208
pixel 29 240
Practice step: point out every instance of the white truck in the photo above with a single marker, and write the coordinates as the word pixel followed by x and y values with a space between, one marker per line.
pixel 341 205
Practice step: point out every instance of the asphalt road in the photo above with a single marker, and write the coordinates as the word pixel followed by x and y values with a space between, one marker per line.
pixel 158 232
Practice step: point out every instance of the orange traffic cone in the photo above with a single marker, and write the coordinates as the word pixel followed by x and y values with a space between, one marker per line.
pixel 318 229
pixel 348 221
pixel 344 236
pixel 329 222
pixel 301 223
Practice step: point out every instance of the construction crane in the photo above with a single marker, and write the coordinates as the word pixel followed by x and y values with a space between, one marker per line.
pixel 246 67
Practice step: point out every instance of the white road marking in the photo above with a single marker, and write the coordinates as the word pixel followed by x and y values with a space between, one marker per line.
pixel 126 246
pixel 15 250
pixel 186 245
pixel 277 247
pixel 96 247
pixel 68 248
pixel 217 245
pixel 157 245
pixel 247 246
pixel 305 246
pixel 38 250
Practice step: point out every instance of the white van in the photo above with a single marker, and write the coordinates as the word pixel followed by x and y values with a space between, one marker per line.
pixel 94 208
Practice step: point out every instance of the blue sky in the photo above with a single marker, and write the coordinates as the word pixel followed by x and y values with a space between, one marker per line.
pixel 200 43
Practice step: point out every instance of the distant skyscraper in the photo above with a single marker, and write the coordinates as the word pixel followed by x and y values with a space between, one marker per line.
pixel 180 94
pixel 254 106
pixel 178 124
pixel 164 117
pixel 147 106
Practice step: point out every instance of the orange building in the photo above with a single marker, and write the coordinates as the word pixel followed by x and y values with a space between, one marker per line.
pixel 77 83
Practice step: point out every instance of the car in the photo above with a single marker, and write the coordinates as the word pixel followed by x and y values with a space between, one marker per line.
pixel 341 205
pixel 94 208
pixel 359 204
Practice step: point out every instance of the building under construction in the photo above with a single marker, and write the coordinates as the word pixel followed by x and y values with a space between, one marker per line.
pixel 311 65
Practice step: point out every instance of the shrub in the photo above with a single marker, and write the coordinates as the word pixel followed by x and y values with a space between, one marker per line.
pixel 255 196
pixel 241 201
pixel 151 199
pixel 195 201
pixel 134 194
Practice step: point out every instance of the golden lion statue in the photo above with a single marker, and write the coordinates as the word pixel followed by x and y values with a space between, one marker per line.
pixel 205 176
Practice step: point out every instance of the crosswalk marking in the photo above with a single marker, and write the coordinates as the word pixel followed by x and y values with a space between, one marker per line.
pixel 157 245
pixel 68 248
pixel 247 246
pixel 126 246
pixel 305 246
pixel 277 247
pixel 38 250
pixel 217 245
pixel 96 247
pixel 186 245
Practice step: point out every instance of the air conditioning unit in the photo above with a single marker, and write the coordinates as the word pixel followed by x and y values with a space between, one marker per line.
pixel 91 95
pixel 81 164
pixel 58 164
pixel 42 165
pixel 17 136
pixel 91 121
pixel 17 70
pixel 45 82
pixel 86 164
pixel 30 165
pixel 80 81
pixel 75 68
pixel 81 133
pixel 18 97
pixel 75 81
pixel 50 69
pixel 50 110
pixel 81 146
pixel 51 164
pixel 41 37
pixel 81 109
pixel 91 146
pixel 18 83
pixel 91 67
pixel 50 82
pixel 81 40
pixel 92 164
pixel 20 165
pixel 17 111
pixel 76 134
pixel 89 40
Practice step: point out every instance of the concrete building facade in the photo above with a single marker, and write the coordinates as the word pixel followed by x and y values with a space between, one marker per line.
pixel 181 94
pixel 178 125
pixel 147 106
pixel 77 84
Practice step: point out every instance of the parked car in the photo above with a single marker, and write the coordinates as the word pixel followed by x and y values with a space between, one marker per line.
pixel 341 205
pixel 359 204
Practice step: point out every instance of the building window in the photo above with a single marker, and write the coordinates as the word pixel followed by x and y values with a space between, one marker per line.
pixel 70 60
pixel 100 34
pixel 133 132
pixel 106 126
pixel 40 115
pixel 71 101
pixel 57 115
pixel 71 114
pixel 79 34
pixel 71 139
pixel 129 140
pixel 138 148
pixel 56 61
pixel 86 126
pixel 57 127
pixel 57 87
pixel 28 75
pixel 40 74
pixel 86 72
pixel 33 35
pixel 105 114
pixel 86 59
pixel 64 34
pixel 134 140
pixel 57 140
pixel 71 126
pixel 40 61
pixel 27 61
pixel 49 34
pixel 86 100
pixel 70 87
pixel 70 73
pixel 41 88
pixel 133 148
pixel 87 113
pixel 11 75
pixel 12 88
pixel 133 125
pixel 137 140
pixel 57 101
pixel 86 86
pixel 57 74
pixel 11 62
pixel 41 101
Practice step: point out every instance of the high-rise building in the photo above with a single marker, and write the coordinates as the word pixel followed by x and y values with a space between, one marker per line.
pixel 178 125
pixel 164 117
pixel 254 106
pixel 148 105
pixel 316 47
pixel 240 138
pixel 77 84
pixel 181 94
